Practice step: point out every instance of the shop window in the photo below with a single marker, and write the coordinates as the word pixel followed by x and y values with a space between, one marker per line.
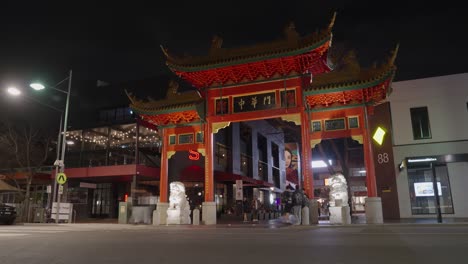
pixel 185 138
pixel 353 122
pixel 420 123
pixel 422 194
pixel 316 125
pixel 172 139
pixel 199 137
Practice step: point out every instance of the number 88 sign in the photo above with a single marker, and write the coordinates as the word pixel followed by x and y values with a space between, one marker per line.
pixel 383 158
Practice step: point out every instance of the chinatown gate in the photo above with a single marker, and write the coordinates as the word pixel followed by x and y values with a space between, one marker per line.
pixel 292 79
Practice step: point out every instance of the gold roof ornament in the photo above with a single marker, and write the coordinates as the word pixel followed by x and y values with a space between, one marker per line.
pixel 392 59
pixel 165 51
pixel 216 45
pixel 216 42
pixel 350 62
pixel 332 21
pixel 173 99
pixel 290 32
pixel 218 56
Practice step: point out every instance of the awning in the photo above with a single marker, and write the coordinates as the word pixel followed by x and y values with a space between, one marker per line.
pixel 5 187
pixel 196 173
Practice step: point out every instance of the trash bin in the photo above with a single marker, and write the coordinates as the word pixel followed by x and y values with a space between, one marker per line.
pixel 124 212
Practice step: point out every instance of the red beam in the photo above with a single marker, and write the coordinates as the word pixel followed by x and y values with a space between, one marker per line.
pixel 106 171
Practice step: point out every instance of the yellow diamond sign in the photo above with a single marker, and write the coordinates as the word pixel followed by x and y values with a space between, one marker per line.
pixel 61 178
pixel 379 135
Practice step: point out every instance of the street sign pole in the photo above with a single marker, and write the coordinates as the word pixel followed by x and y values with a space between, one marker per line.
pixel 58 203
pixel 61 179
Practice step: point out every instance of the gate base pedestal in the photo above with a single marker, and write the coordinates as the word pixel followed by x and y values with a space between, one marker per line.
pixel 209 213
pixel 374 213
pixel 161 214
pixel 340 215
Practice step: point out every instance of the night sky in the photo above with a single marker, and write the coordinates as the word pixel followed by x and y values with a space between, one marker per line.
pixel 118 44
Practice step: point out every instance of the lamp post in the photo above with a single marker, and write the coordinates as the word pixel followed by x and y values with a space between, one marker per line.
pixel 59 163
pixel 13 91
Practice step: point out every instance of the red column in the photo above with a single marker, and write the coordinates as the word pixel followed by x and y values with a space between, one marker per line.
pixel 164 168
pixel 209 177
pixel 306 167
pixel 369 157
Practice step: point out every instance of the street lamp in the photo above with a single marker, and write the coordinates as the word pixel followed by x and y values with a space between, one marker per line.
pixel 13 91
pixel 60 163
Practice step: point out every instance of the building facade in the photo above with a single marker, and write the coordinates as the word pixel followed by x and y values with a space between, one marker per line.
pixel 430 136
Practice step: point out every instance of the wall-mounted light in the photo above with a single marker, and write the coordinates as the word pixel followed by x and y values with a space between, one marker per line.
pixel 320 163
pixel 421 160
pixel 379 135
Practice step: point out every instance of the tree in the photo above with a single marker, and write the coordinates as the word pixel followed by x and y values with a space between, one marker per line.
pixel 27 147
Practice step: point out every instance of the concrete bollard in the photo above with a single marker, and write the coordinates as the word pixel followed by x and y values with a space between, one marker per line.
pixel 313 212
pixel 156 217
pixel 305 215
pixel 196 217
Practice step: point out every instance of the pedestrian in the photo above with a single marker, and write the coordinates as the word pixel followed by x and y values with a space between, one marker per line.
pixel 246 209
pixel 255 208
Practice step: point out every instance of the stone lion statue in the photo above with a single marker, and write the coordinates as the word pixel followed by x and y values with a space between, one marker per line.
pixel 179 208
pixel 338 189
pixel 177 195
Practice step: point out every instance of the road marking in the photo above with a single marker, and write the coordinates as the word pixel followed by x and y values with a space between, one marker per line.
pixel 32 231
pixel 11 235
pixel 430 234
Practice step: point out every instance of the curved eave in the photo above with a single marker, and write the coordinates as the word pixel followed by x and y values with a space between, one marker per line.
pixel 169 109
pixel 239 60
pixel 350 85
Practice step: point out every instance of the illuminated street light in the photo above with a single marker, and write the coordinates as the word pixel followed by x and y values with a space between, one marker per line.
pixel 37 86
pixel 13 91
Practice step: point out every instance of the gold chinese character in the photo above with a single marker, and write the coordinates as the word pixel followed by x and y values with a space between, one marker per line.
pixel 254 102
pixel 267 100
pixel 241 103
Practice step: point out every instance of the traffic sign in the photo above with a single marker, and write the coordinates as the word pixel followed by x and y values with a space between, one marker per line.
pixel 61 178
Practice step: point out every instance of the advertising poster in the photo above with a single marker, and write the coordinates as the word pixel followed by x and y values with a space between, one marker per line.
pixel 292 164
pixel 426 189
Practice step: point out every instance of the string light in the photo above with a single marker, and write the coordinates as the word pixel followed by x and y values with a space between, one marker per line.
pixel 147 138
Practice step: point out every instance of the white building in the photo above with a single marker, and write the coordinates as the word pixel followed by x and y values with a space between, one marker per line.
pixel 430 125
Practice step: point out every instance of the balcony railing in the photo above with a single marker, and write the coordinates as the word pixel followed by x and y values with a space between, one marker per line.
pixel 115 156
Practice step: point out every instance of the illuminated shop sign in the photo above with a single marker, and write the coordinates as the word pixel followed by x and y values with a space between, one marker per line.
pixel 193 155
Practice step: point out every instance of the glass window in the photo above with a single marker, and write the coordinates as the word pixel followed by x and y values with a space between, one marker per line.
pixel 422 192
pixel 420 123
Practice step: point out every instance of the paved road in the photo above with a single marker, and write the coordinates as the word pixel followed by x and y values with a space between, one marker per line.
pixel 115 244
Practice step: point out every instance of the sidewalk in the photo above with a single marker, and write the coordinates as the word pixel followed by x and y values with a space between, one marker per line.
pixel 236 222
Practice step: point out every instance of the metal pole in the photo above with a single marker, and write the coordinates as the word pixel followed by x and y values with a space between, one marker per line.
pixel 436 193
pixel 64 140
pixel 54 181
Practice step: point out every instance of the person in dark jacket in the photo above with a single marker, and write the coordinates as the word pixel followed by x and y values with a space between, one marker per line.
pixel 245 208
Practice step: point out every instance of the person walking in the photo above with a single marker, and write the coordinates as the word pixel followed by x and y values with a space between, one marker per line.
pixel 246 209
pixel 255 208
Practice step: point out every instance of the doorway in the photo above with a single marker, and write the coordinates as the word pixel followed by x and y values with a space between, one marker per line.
pixel 101 204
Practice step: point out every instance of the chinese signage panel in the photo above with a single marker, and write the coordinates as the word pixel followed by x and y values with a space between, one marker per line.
pixel 254 102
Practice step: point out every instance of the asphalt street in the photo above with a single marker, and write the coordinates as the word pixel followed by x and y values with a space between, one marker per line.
pixel 113 243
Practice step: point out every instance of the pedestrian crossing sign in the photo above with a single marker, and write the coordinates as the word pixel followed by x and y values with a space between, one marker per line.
pixel 61 178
